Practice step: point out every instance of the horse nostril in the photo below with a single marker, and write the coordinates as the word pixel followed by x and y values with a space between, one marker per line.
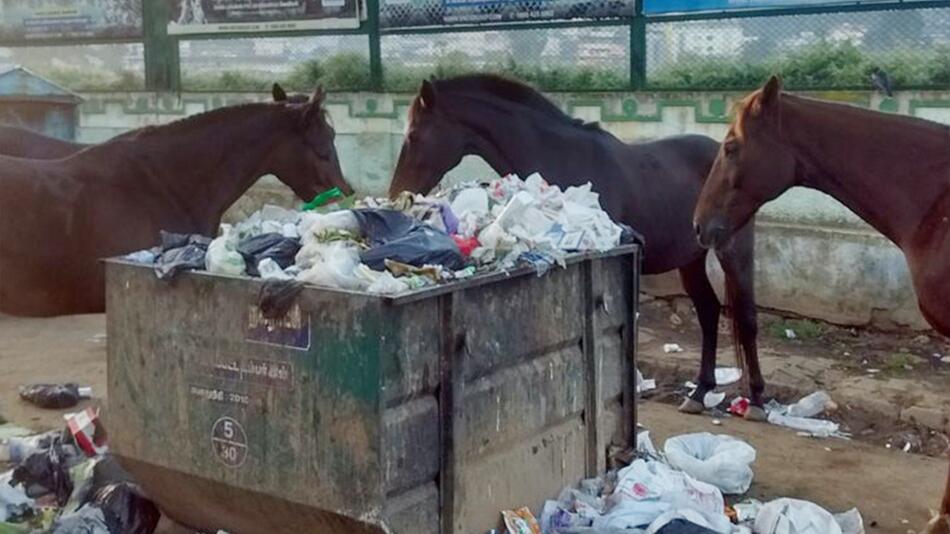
pixel 698 229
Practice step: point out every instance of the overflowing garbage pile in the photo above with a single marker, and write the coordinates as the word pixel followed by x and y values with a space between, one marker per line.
pixel 65 482
pixel 679 491
pixel 390 246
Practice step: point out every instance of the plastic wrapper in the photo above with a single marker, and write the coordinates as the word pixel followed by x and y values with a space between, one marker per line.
pixel 723 461
pixel 521 521
pixel 282 250
pixel 54 396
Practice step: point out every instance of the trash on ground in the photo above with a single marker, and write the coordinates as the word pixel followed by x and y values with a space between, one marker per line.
pixel 790 334
pixel 14 503
pixel 9 430
pixel 644 384
pixel 793 516
pixel 739 406
pixel 800 416
pixel 727 375
pixel 671 348
pixel 88 434
pixel 720 460
pixel 55 396
pixel 46 471
pixel 521 521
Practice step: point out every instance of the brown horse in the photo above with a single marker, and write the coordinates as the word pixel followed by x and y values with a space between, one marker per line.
pixel 23 143
pixel 58 217
pixel 652 187
pixel 893 171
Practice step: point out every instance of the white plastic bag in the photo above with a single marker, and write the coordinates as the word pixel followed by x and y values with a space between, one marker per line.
pixel 330 265
pixel 792 516
pixel 646 489
pixel 313 224
pixel 720 460
pixel 472 200
pixel 814 427
pixel 809 406
pixel 271 270
pixel 222 258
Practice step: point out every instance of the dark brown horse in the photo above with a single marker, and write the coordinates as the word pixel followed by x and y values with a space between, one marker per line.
pixel 23 143
pixel 58 217
pixel 652 187
pixel 893 171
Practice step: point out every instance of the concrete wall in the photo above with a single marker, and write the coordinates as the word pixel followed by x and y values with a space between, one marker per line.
pixel 815 257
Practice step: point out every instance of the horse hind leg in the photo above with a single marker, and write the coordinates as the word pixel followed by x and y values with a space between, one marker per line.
pixel 700 291
pixel 738 265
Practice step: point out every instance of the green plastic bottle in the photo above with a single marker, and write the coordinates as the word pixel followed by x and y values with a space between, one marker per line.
pixel 327 197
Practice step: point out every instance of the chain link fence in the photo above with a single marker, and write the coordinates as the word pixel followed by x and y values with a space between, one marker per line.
pixel 831 47
pixel 820 51
pixel 338 62
pixel 96 67
pixel 565 59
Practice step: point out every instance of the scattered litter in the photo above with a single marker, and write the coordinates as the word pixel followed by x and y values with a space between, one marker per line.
pixel 790 334
pixel 672 347
pixel 812 427
pixel 739 406
pixel 713 399
pixel 45 471
pixel 644 385
pixel 727 375
pixel 717 422
pixel 873 371
pixel 55 396
pixel 799 416
pixel 720 460
pixel 645 445
pixel 810 405
pixel 88 434
pixel 14 503
pixel 112 509
pixel 793 516
pixel 521 521
pixel 945 359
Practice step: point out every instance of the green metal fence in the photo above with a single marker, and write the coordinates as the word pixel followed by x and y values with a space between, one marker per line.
pixel 813 47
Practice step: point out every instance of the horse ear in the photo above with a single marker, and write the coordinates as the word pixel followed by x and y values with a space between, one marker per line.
pixel 279 94
pixel 427 94
pixel 771 92
pixel 319 95
pixel 315 107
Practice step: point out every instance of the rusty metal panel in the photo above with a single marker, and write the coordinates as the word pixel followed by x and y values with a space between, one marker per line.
pixel 200 384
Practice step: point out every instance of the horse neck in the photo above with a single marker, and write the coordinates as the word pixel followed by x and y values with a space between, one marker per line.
pixel 203 169
pixel 880 166
pixel 512 140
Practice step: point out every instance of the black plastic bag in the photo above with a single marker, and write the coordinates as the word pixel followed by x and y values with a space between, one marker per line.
pixel 277 296
pixel 396 236
pixel 682 526
pixel 275 246
pixel 176 260
pixel 109 503
pixel 113 509
pixel 51 396
pixel 180 252
pixel 47 469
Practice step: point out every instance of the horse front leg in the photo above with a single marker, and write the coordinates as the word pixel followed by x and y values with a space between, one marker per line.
pixel 697 286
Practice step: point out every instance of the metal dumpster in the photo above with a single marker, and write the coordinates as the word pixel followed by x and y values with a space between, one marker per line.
pixel 426 413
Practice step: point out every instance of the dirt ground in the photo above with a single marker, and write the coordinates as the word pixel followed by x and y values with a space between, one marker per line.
pixel 889 486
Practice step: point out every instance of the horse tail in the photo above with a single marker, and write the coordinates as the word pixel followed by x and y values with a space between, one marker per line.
pixel 732 297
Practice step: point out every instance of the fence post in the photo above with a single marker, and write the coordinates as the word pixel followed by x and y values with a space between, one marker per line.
pixel 638 48
pixel 375 51
pixel 162 70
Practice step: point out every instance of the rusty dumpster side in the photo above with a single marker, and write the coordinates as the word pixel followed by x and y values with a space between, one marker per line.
pixel 422 414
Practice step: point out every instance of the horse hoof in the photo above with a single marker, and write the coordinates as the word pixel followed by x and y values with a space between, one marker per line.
pixel 692 407
pixel 757 414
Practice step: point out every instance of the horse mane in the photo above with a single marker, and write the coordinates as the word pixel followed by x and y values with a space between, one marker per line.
pixel 511 91
pixel 208 118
